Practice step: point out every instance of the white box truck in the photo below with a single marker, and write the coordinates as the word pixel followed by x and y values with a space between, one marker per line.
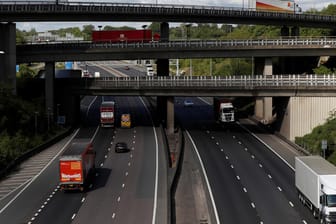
pixel 315 180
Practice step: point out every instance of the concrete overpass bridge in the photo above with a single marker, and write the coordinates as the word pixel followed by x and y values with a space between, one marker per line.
pixel 231 86
pixel 11 12
pixel 37 11
pixel 87 51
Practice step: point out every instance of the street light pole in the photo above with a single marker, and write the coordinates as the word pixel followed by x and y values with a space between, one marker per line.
pixel 57 112
pixel 36 113
pixel 144 34
pixel 48 116
pixel 210 66
pixel 99 28
pixel 190 60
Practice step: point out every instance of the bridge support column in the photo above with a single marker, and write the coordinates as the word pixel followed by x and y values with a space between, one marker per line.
pixel 49 87
pixel 295 31
pixel 263 105
pixel 8 55
pixel 170 115
pixel 284 32
pixel 165 105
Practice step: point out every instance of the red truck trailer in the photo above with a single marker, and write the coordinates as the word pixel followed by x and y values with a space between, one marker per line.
pixel 107 114
pixel 76 164
pixel 124 36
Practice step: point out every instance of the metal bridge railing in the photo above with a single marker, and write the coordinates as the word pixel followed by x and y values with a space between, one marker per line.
pixel 325 42
pixel 106 7
pixel 241 82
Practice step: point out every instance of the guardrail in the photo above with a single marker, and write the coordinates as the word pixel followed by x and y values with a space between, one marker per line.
pixel 243 82
pixel 51 7
pixel 325 42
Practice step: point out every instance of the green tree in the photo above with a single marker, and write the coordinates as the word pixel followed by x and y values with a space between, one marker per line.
pixel 87 31
pixel 323 70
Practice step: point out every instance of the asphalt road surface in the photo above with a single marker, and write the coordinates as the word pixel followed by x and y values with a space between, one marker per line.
pixel 249 183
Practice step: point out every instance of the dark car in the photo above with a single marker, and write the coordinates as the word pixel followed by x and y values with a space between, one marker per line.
pixel 121 147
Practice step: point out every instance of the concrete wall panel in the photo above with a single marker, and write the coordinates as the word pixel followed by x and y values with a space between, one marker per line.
pixel 303 114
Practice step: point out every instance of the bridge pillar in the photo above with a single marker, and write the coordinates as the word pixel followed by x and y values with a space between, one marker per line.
pixel 8 55
pixel 68 106
pixel 165 105
pixel 263 105
pixel 170 115
pixel 49 87
pixel 295 31
pixel 284 32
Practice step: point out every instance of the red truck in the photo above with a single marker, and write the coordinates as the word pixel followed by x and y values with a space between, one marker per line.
pixel 107 114
pixel 76 165
pixel 124 36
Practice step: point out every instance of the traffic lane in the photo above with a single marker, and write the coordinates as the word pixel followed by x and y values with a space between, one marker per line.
pixel 143 118
pixel 228 191
pixel 129 70
pixel 28 202
pixel 271 204
pixel 282 175
pixel 229 195
pixel 127 196
pixel 111 174
pixel 58 201
pixel 62 206
pixel 197 116
pixel 279 146
pixel 23 174
pixel 37 192
pixel 141 195
pixel 90 115
pixel 97 68
pixel 138 200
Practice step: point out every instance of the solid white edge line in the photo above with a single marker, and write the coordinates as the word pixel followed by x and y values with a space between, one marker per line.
pixel 96 132
pixel 206 178
pixel 88 108
pixel 156 164
pixel 37 175
pixel 269 147
pixel 201 98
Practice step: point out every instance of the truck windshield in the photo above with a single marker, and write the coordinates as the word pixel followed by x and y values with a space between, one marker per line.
pixel 331 200
pixel 227 110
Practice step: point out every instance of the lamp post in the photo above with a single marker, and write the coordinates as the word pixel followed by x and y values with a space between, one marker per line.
pixel 48 117
pixel 35 116
pixel 57 112
pixel 99 28
pixel 210 66
pixel 190 60
pixel 144 34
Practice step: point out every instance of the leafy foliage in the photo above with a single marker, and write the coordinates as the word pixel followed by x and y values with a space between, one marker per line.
pixel 312 141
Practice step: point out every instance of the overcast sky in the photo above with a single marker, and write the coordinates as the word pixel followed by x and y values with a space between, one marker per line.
pixel 40 27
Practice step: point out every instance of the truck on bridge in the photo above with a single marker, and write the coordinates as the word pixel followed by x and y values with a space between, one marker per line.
pixel 315 181
pixel 288 6
pixel 126 36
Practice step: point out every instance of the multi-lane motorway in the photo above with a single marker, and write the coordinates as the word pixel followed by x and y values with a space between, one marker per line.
pixel 249 183
pixel 244 181
pixel 127 187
